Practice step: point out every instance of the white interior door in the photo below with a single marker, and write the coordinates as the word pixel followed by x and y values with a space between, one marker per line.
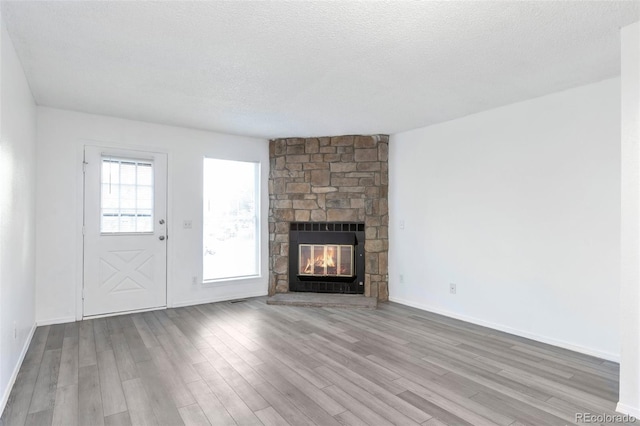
pixel 125 231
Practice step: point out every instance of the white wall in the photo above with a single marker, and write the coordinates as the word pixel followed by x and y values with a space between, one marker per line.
pixel 17 215
pixel 520 207
pixel 630 231
pixel 61 138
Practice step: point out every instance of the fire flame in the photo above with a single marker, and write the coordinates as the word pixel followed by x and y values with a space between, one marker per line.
pixel 321 261
pixel 326 260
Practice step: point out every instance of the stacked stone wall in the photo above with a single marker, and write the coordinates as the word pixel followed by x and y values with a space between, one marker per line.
pixel 330 179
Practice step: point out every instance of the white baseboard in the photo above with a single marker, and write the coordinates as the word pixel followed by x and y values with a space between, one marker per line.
pixel 53 321
pixel 16 370
pixel 627 409
pixel 218 299
pixel 115 314
pixel 500 327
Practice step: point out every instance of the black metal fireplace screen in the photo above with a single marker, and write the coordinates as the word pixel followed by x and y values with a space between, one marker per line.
pixel 326 257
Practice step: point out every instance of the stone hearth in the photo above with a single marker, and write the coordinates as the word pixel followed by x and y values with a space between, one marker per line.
pixel 315 300
pixel 330 179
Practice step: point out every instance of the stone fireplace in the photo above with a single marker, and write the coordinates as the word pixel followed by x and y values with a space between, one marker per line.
pixel 316 185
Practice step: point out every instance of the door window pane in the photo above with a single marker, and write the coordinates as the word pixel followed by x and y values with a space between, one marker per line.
pixel 230 219
pixel 126 196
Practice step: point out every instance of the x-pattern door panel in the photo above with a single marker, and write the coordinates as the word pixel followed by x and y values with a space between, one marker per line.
pixel 126 270
pixel 125 231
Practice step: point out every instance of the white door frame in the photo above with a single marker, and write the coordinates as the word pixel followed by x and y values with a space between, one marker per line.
pixel 80 217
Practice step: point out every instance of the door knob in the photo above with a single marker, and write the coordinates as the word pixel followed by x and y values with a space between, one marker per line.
pixel 161 237
pixel 161 221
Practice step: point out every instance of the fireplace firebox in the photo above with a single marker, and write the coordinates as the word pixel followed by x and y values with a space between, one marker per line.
pixel 326 257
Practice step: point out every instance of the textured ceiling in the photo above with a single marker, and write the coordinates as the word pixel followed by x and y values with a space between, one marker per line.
pixel 277 69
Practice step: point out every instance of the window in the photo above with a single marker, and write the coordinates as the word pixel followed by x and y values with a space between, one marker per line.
pixel 230 219
pixel 126 201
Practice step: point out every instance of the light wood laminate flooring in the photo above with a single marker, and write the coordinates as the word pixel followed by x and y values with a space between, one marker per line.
pixel 250 363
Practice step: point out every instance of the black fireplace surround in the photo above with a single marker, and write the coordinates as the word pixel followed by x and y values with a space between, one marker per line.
pixel 327 233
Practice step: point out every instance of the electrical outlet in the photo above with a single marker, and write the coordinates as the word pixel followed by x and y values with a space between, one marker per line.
pixel 401 279
pixel 194 281
pixel 402 224
pixel 452 288
pixel 15 330
pixel 187 224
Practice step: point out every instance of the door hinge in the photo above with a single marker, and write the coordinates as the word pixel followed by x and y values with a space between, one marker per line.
pixel 83 228
pixel 84 166
pixel 82 293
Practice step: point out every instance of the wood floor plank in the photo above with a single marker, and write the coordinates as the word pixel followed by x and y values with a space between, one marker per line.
pixel 564 406
pixel 295 359
pixel 69 363
pixel 462 386
pixel 270 417
pixel 136 345
pixel 366 414
pixel 246 355
pixel 44 392
pixel 297 397
pixel 192 331
pixel 370 401
pixel 379 392
pixel 244 390
pixel 361 366
pixel 120 419
pixel 240 412
pixel 89 397
pixel 177 340
pixel 124 360
pixel 332 349
pixel 101 335
pixel 113 401
pixel 65 412
pixel 178 358
pixel 170 378
pixel 491 380
pixel 244 369
pixel 354 323
pixel 36 348
pixel 327 403
pixel 436 422
pixel 290 412
pixel 210 404
pixel 463 407
pixel 235 330
pixel 86 345
pixel 558 387
pixel 161 401
pixel 41 418
pixel 113 324
pixel 55 338
pixel 192 415
pixel 519 411
pixel 71 330
pixel 147 336
pixel 436 411
pixel 349 419
pixel 508 363
pixel 17 408
pixel 140 408
pixel 154 325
